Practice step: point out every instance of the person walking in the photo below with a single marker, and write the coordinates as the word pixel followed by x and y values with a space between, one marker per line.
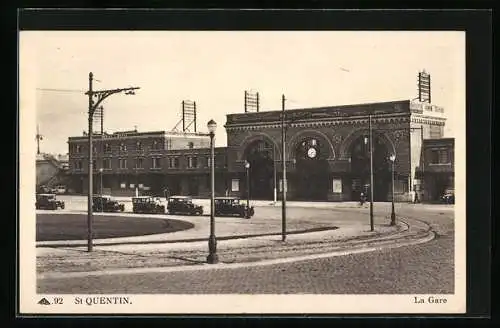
pixel 362 198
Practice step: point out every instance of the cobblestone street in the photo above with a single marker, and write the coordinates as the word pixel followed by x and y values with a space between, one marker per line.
pixel 425 268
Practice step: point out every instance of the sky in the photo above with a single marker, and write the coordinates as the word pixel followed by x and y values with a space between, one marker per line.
pixel 214 69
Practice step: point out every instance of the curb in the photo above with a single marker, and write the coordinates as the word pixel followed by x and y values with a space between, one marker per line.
pixel 81 243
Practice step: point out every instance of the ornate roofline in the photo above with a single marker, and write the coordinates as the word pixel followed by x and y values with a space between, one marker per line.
pixel 358 120
pixel 428 120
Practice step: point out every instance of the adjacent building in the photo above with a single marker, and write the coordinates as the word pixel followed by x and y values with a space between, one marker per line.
pixel 149 161
pixel 438 172
pixel 51 170
pixel 327 155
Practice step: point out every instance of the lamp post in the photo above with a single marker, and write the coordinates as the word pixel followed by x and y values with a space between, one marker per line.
pixel 100 176
pixel 93 105
pixel 212 257
pixel 370 141
pixel 393 214
pixel 100 184
pixel 247 167
pixel 274 175
pixel 283 188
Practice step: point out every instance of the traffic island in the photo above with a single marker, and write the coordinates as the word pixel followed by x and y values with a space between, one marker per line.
pixel 67 226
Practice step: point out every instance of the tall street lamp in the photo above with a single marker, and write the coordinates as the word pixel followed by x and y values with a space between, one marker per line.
pixel 100 95
pixel 212 257
pixel 247 167
pixel 393 214
pixel 283 189
pixel 100 184
pixel 368 140
pixel 274 175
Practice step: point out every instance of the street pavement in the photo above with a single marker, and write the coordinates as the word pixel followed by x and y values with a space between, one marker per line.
pixel 422 268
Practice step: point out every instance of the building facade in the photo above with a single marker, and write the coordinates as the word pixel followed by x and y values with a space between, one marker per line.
pixel 438 172
pixel 150 161
pixel 327 155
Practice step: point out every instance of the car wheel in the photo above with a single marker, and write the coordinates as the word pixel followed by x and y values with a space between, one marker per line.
pixel 62 207
pixel 198 213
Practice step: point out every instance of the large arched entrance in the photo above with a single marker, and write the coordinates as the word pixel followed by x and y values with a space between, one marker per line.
pixel 260 155
pixel 360 168
pixel 311 170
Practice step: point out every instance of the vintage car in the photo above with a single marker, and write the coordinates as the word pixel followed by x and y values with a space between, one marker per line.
pixel 183 205
pixel 48 202
pixel 147 204
pixel 106 204
pixel 229 206
pixel 448 196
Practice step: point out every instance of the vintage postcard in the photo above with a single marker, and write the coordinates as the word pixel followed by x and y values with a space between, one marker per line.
pixel 242 172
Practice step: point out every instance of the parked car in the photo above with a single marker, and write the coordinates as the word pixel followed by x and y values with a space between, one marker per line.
pixel 229 206
pixel 60 189
pixel 106 204
pixel 448 196
pixel 183 205
pixel 147 204
pixel 44 190
pixel 48 202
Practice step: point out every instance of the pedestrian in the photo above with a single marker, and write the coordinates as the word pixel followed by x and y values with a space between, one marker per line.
pixel 361 199
pixel 416 199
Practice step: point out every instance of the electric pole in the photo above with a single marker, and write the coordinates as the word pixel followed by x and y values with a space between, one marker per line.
pixel 284 184
pixel 100 95
pixel 371 173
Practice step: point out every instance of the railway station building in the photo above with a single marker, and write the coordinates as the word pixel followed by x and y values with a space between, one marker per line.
pixel 327 155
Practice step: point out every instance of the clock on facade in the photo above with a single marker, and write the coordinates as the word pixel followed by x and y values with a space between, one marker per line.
pixel 311 152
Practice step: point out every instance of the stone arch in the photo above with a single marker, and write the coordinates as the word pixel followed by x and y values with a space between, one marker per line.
pixel 296 138
pixel 258 136
pixel 345 147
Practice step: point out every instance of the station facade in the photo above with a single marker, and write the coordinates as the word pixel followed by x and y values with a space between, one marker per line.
pixel 327 155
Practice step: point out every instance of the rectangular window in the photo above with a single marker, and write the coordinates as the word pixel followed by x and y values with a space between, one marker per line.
pixel 106 164
pixel 192 162
pixel 170 162
pixel 139 163
pixel 434 157
pixel 107 148
pixel 443 157
pixel 123 147
pixel 123 163
pixel 209 162
pixel 78 165
pixel 173 162
pixel 94 166
pixel 235 185
pixel 78 149
pixel 156 162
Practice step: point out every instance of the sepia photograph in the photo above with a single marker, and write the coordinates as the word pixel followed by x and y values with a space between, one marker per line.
pixel 242 171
